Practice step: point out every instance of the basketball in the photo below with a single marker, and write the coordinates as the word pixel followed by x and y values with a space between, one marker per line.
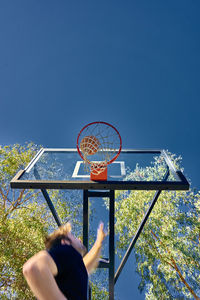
pixel 89 145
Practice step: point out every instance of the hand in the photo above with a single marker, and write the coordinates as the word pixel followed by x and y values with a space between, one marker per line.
pixel 101 234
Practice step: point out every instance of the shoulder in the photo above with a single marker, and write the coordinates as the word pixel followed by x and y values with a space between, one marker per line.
pixel 41 260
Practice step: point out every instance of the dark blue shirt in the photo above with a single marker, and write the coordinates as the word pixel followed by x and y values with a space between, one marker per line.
pixel 72 277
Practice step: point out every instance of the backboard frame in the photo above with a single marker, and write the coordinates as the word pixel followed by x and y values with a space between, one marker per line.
pixel 180 184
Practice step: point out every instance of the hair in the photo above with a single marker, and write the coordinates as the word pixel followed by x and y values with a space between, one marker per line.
pixel 55 237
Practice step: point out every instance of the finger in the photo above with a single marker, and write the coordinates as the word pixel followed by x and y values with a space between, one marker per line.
pixel 101 225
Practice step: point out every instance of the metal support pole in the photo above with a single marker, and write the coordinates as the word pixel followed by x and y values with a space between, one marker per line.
pixel 106 264
pixel 85 219
pixel 86 228
pixel 112 245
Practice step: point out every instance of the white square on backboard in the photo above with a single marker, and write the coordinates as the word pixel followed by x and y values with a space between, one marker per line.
pixel 122 171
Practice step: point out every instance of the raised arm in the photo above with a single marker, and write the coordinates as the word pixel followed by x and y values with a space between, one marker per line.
pixel 39 272
pixel 91 259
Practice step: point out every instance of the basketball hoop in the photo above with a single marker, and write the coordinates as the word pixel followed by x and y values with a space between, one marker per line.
pixel 98 144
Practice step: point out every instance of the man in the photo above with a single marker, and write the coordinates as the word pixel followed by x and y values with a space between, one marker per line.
pixel 61 272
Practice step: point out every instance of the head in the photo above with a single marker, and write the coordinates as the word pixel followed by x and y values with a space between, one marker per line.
pixel 63 236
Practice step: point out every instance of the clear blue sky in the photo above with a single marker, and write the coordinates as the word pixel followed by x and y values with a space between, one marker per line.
pixel 134 64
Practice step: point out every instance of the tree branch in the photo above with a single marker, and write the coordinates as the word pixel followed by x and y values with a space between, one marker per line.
pixel 32 195
pixel 176 268
pixel 183 279
pixel 154 246
pixel 17 201
pixel 3 197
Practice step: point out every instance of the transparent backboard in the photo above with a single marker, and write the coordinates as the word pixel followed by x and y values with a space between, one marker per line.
pixel 65 169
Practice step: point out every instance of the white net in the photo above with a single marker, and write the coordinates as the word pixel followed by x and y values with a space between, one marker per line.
pixel 98 143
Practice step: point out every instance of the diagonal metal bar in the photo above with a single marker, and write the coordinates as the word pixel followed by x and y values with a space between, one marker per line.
pixel 139 230
pixel 51 206
pixel 48 200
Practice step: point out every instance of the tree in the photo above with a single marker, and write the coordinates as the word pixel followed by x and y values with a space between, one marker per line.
pixel 25 220
pixel 168 250
pixel 21 225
